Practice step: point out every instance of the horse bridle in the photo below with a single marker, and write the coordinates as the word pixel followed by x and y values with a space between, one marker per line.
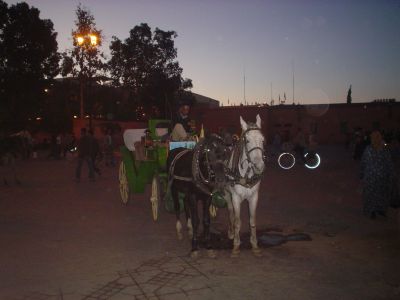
pixel 244 141
pixel 201 181
pixel 233 173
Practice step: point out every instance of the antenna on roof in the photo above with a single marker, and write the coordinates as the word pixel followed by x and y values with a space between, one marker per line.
pixel 244 85
pixel 293 78
pixel 272 99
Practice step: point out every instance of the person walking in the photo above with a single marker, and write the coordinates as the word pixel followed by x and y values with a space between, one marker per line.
pixel 84 154
pixel 58 147
pixel 300 143
pixel 94 151
pixel 377 174
pixel 109 149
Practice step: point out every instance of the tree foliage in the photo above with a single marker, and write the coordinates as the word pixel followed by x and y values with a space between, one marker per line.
pixel 349 99
pixel 85 59
pixel 146 64
pixel 28 59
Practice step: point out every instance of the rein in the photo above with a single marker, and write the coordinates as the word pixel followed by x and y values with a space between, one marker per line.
pixel 172 176
pixel 197 177
pixel 233 172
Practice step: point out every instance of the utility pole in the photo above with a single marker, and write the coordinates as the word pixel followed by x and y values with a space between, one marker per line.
pixel 293 78
pixel 271 93
pixel 244 85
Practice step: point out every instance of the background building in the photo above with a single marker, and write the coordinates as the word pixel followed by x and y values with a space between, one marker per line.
pixel 330 124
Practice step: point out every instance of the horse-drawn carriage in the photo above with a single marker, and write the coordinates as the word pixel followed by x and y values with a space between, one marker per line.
pixel 211 172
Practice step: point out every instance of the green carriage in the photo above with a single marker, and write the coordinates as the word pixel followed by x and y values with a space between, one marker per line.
pixel 137 169
pixel 144 158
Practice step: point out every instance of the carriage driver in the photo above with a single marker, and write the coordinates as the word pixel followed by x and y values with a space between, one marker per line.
pixel 182 130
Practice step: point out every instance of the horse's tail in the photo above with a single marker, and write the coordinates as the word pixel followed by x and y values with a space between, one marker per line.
pixel 171 161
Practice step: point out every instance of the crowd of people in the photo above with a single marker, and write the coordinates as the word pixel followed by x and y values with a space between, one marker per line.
pixel 300 144
pixel 379 156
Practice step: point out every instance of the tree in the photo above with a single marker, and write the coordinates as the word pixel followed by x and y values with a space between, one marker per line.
pixel 3 23
pixel 349 99
pixel 85 60
pixel 146 64
pixel 28 60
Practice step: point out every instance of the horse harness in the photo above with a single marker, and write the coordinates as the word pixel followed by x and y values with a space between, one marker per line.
pixel 197 176
pixel 233 173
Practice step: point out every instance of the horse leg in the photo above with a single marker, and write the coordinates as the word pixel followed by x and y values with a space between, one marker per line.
pixel 253 232
pixel 195 223
pixel 188 218
pixel 236 236
pixel 175 197
pixel 10 163
pixel 206 227
pixel 231 220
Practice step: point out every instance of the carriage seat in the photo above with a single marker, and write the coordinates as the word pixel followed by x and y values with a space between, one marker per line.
pixel 131 136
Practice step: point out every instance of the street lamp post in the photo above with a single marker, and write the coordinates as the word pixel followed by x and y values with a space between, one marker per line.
pixel 86 43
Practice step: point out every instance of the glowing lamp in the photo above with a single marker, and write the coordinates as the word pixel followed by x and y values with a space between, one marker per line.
pixel 80 40
pixel 93 40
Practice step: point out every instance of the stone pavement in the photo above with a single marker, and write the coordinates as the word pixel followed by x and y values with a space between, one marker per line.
pixel 67 240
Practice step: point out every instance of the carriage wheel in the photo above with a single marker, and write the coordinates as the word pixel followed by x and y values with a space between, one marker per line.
pixel 155 197
pixel 123 184
pixel 213 211
pixel 312 160
pixel 286 160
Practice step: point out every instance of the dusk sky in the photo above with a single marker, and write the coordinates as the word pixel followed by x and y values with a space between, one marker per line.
pixel 331 44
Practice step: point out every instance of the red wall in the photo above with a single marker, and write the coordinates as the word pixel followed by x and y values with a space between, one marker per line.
pixel 328 121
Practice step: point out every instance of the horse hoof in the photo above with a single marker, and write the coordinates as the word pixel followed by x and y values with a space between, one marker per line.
pixel 178 227
pixel 194 254
pixel 211 253
pixel 257 252
pixel 235 253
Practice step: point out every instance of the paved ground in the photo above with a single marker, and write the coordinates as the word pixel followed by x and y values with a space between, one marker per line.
pixel 67 240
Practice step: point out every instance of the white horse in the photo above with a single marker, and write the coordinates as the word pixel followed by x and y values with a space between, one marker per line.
pixel 245 169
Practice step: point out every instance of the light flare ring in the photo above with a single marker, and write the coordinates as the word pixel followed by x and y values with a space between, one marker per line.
pixel 279 160
pixel 314 166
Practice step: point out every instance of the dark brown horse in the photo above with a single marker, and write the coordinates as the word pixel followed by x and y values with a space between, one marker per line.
pixel 197 174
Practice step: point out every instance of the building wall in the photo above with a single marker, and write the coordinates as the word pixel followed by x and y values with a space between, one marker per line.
pixel 329 123
pixel 228 118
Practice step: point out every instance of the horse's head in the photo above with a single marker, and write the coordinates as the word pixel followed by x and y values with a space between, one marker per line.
pixel 253 144
pixel 216 154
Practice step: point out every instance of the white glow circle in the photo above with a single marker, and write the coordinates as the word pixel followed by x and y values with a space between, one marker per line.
pixel 316 165
pixel 279 160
